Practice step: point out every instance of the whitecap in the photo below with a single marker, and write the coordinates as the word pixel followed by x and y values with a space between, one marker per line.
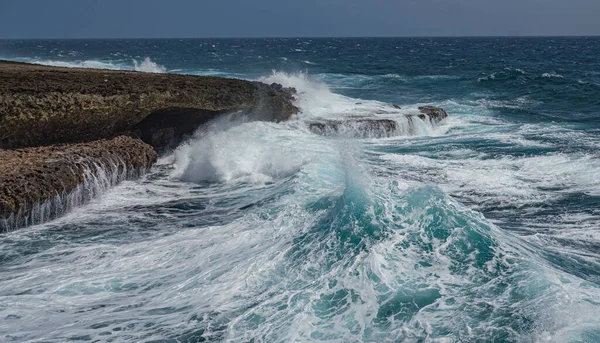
pixel 552 75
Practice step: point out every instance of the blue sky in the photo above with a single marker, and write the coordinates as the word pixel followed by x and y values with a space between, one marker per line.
pixel 281 18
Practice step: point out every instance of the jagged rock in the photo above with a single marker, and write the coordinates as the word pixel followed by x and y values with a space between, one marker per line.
pixel 434 113
pixel 372 127
pixel 38 184
pixel 355 127
pixel 42 105
pixel 396 107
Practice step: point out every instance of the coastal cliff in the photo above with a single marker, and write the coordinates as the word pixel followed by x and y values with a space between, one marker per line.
pixel 39 184
pixel 42 105
pixel 67 134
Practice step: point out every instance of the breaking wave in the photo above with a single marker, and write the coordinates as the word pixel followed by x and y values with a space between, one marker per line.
pixel 146 65
pixel 481 227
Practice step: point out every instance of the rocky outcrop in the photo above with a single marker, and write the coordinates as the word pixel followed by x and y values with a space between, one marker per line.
pixel 361 127
pixel 79 131
pixel 433 113
pixel 42 105
pixel 374 127
pixel 38 184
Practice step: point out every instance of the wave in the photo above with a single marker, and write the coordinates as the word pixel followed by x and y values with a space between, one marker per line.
pixel 293 236
pixel 506 74
pixel 147 65
pixel 88 64
pixel 250 152
pixel 229 150
pixel 317 101
pixel 553 75
pixel 420 77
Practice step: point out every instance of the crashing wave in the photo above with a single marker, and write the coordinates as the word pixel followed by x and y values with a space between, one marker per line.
pixel 148 66
pixel 553 75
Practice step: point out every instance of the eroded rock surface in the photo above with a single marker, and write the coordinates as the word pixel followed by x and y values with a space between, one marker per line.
pixel 375 127
pixel 361 127
pixel 42 105
pixel 37 184
pixel 435 114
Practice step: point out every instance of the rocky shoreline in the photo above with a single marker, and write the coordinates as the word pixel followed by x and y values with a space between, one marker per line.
pixel 43 105
pixel 42 183
pixel 68 134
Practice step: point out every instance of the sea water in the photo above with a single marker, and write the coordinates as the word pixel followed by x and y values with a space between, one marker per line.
pixel 482 228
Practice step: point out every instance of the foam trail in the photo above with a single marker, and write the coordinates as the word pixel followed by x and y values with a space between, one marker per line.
pixel 89 64
pixel 146 65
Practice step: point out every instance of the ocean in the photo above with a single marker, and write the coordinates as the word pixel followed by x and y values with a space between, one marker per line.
pixel 482 228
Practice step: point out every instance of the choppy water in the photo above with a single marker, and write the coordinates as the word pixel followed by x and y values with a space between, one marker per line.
pixel 483 228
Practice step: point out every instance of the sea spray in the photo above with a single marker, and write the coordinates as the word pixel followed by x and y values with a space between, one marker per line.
pixel 97 179
pixel 145 65
pixel 484 228
pixel 148 66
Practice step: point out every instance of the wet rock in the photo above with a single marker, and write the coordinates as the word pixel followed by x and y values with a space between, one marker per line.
pixel 42 105
pixel 373 127
pixel 38 184
pixel 433 113
pixel 360 127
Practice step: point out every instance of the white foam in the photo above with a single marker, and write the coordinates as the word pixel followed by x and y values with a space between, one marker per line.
pixel 90 64
pixel 553 75
pixel 252 152
pixel 506 180
pixel 148 66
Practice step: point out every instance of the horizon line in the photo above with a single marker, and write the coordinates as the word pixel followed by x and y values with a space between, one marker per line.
pixel 307 37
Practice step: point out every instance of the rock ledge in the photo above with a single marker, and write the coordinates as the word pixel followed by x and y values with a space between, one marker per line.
pixel 39 184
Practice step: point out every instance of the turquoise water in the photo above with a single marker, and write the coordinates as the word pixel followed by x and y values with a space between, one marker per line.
pixel 483 228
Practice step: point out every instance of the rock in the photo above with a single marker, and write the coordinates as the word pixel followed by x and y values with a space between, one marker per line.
pixel 42 105
pixel 396 106
pixel 38 184
pixel 435 114
pixel 361 127
pixel 165 129
pixel 373 127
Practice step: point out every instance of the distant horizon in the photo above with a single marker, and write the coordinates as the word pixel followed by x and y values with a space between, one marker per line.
pixel 179 19
pixel 309 37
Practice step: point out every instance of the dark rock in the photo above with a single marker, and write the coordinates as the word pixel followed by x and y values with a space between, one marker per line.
pixel 355 127
pixel 435 114
pixel 370 127
pixel 396 106
pixel 166 129
pixel 38 184
pixel 42 105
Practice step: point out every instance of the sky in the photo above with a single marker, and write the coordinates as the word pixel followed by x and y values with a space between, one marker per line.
pixel 300 18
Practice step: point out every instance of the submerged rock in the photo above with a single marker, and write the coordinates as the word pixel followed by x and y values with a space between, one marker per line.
pixel 39 184
pixel 373 127
pixel 435 114
pixel 355 127
pixel 42 105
